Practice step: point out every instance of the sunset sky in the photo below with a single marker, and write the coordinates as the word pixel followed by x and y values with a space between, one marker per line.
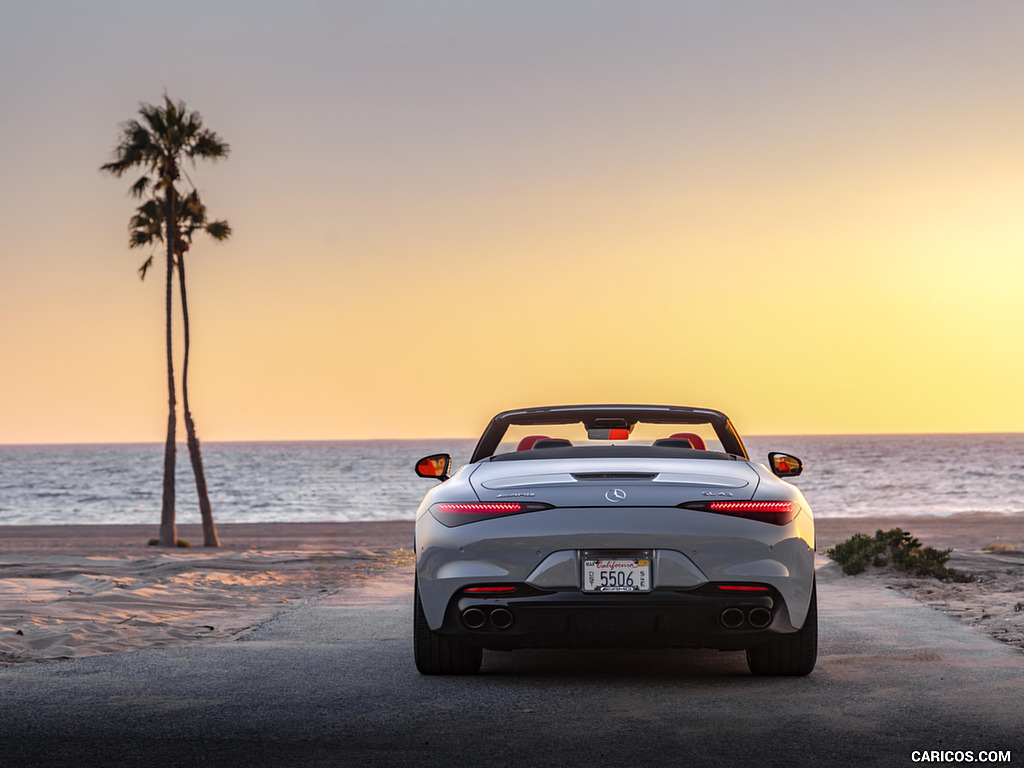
pixel 807 214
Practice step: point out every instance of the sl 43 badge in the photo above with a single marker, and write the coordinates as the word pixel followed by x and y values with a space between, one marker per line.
pixel 717 493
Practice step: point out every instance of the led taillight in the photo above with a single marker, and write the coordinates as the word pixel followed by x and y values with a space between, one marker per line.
pixel 480 508
pixel 452 513
pixel 774 512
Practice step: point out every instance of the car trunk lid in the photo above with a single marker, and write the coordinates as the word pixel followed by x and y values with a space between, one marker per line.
pixel 612 481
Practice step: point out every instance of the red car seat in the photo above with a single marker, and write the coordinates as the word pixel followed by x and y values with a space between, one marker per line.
pixel 695 440
pixel 527 442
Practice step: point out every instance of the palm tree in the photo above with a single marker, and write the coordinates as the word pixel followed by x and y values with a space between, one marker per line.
pixel 194 218
pixel 157 144
pixel 147 228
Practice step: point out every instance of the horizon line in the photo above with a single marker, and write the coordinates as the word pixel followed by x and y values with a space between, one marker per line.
pixel 84 443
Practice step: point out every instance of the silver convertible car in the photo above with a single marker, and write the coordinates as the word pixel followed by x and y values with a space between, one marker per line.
pixel 614 526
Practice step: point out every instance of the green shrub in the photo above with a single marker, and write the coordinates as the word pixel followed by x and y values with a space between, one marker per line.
pixel 896 548
pixel 854 553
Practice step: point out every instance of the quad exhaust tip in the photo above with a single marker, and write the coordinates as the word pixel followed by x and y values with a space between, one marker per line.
pixel 759 618
pixel 734 618
pixel 501 618
pixel 475 618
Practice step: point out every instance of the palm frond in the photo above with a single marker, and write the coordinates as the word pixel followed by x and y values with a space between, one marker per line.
pixel 138 238
pixel 218 230
pixel 209 145
pixel 146 226
pixel 145 267
pixel 192 123
pixel 138 189
pixel 155 118
pixel 135 147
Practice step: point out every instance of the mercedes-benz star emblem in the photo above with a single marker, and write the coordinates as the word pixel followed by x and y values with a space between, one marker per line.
pixel 615 494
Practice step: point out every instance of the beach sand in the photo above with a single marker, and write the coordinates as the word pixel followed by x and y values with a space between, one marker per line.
pixel 989 547
pixel 73 591
pixel 69 591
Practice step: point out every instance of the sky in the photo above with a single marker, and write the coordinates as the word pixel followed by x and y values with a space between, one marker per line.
pixel 807 214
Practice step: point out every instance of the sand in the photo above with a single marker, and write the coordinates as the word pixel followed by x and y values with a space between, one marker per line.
pixel 988 547
pixel 73 591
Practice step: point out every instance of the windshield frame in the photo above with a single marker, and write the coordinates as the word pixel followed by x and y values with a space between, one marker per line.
pixel 587 414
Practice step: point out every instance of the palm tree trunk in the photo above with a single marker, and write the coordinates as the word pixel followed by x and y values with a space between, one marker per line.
pixel 168 529
pixel 209 528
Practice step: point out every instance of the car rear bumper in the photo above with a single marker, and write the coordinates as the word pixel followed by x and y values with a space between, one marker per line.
pixel 688 549
pixel 699 618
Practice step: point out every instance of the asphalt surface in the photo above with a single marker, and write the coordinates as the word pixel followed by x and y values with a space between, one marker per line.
pixel 332 683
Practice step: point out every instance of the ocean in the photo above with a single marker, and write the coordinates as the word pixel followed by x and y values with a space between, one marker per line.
pixel 844 476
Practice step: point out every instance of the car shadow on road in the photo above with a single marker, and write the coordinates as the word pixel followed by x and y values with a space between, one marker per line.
pixel 605 664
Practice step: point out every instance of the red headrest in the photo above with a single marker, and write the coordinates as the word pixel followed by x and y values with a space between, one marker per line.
pixel 527 442
pixel 695 440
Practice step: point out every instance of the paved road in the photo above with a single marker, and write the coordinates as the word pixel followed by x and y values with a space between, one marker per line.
pixel 332 683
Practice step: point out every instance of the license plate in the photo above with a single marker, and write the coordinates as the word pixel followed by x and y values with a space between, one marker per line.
pixel 616 574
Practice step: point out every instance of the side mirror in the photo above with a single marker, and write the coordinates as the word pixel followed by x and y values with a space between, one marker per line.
pixel 435 466
pixel 784 465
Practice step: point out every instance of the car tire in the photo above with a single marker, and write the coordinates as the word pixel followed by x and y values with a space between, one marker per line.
pixel 789 655
pixel 439 655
